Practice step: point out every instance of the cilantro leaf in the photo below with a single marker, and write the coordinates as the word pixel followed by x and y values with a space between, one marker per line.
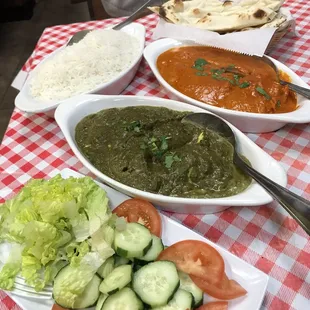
pixel 134 126
pixel 170 159
pixel 199 64
pixel 263 92
pixel 244 85
pixel 278 104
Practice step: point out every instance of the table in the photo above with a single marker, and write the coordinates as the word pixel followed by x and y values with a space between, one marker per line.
pixel 264 236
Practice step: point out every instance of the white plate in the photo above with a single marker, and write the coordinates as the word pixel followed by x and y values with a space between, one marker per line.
pixel 252 279
pixel 70 113
pixel 27 103
pixel 245 121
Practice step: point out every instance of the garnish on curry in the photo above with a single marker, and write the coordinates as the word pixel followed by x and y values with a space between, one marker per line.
pixel 226 79
pixel 151 149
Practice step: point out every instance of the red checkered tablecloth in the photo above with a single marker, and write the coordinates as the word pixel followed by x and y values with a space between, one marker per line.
pixel 264 236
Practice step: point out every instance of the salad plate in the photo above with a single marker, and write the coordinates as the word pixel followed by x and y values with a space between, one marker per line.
pixel 252 279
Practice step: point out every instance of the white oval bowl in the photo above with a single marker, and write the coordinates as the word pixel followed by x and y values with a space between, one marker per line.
pixel 245 121
pixel 27 103
pixel 70 113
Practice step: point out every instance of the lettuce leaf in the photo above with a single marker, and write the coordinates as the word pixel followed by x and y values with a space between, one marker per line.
pixel 70 288
pixel 11 268
pixel 53 220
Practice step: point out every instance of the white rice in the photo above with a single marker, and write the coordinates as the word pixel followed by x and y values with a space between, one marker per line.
pixel 98 58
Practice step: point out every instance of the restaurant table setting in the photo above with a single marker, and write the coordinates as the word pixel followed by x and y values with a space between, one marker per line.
pixel 263 247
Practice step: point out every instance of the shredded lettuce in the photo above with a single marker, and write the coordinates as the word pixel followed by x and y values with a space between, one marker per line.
pixel 70 288
pixel 11 268
pixel 54 221
pixel 100 242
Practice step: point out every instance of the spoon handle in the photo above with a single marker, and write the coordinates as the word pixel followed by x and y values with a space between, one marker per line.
pixel 296 206
pixel 305 92
pixel 132 17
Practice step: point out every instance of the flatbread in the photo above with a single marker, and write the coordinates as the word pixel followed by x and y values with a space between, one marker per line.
pixel 220 16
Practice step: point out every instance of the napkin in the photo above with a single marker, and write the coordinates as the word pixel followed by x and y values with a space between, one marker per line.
pixel 251 42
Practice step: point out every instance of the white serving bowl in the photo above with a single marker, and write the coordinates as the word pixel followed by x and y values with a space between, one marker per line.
pixel 245 121
pixel 70 113
pixel 27 103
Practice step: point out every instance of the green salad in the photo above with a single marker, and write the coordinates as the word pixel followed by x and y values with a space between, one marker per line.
pixel 54 223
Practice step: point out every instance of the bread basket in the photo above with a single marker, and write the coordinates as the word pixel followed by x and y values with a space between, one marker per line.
pixel 278 35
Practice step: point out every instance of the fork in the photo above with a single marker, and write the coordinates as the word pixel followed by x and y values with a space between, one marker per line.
pixel 22 289
pixel 78 36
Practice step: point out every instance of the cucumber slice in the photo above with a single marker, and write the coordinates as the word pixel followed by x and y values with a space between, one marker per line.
pixel 106 268
pixel 101 301
pixel 71 283
pixel 187 284
pixel 152 253
pixel 125 299
pixel 89 296
pixel 121 261
pixel 182 300
pixel 155 283
pixel 133 242
pixel 116 280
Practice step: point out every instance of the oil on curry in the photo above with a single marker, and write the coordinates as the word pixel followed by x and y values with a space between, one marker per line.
pixel 226 79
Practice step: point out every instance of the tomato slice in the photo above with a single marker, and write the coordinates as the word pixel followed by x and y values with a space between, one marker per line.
pixel 216 305
pixel 196 258
pixel 140 211
pixel 57 307
pixel 227 289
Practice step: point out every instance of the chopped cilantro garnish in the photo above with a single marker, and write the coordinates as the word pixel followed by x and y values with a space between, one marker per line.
pixel 263 92
pixel 199 64
pixel 278 104
pixel 157 147
pixel 134 126
pixel 170 159
pixel 236 78
pixel 164 143
pixel 231 67
pixel 244 85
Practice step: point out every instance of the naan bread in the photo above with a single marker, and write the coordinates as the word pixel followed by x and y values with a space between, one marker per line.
pixel 220 16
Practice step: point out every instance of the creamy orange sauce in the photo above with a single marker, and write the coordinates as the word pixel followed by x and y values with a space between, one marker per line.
pixel 226 79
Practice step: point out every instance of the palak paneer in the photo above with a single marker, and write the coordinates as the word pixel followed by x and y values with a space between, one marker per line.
pixel 151 149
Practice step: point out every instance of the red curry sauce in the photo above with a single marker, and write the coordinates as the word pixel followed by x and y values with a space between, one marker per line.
pixel 226 79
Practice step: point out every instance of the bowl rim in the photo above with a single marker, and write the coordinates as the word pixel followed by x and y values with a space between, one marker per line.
pixel 38 106
pixel 154 49
pixel 66 110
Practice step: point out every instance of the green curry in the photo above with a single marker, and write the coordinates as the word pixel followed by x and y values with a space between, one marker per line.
pixel 149 148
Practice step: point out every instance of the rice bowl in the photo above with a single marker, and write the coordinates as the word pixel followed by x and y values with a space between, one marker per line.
pixel 26 102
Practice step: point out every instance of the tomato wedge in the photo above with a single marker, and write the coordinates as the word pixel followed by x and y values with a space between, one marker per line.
pixel 57 307
pixel 216 305
pixel 140 211
pixel 196 258
pixel 227 289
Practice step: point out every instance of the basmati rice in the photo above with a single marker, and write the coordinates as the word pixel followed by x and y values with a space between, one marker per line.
pixel 98 58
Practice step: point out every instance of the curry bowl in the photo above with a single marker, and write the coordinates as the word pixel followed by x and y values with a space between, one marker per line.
pixel 26 102
pixel 245 121
pixel 70 113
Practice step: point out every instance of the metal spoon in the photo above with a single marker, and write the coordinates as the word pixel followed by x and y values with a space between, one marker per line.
pixel 305 92
pixel 296 206
pixel 81 34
